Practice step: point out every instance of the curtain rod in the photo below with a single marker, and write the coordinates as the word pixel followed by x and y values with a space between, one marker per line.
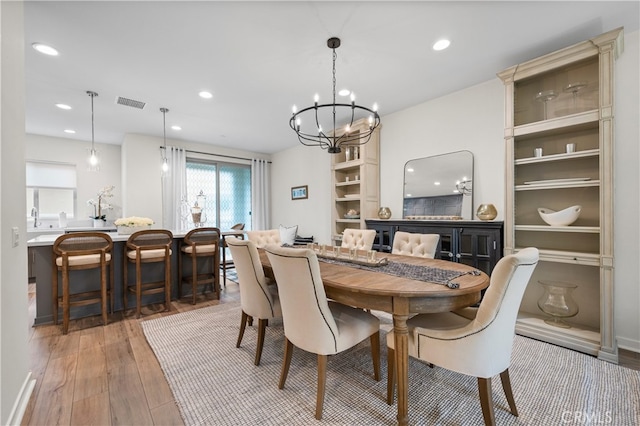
pixel 217 155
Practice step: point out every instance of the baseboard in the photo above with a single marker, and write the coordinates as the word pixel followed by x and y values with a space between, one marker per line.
pixel 20 405
pixel 628 344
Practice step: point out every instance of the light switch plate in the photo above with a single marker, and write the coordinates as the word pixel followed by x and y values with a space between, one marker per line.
pixel 15 236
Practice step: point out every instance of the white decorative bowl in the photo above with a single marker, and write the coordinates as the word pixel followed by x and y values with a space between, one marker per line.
pixel 562 218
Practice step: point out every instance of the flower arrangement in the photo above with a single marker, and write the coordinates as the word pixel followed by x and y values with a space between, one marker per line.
pixel 133 221
pixel 100 204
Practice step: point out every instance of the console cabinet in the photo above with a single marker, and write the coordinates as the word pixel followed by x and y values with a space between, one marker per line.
pixel 559 151
pixel 474 243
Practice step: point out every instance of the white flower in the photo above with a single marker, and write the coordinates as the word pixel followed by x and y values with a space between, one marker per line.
pixel 133 221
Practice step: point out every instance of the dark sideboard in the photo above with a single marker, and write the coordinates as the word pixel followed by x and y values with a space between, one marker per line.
pixel 474 243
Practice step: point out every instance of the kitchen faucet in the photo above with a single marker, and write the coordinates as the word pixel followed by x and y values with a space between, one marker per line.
pixel 34 215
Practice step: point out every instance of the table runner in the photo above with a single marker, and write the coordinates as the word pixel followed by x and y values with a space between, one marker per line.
pixel 414 272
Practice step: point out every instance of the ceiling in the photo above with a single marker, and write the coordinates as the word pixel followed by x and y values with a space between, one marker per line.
pixel 260 58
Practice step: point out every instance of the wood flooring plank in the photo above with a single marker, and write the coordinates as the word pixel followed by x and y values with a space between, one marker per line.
pixel 93 410
pixel 66 345
pixel 167 414
pixel 92 337
pixel 155 385
pixel 114 332
pixel 126 397
pixel 91 373
pixel 55 397
pixel 119 355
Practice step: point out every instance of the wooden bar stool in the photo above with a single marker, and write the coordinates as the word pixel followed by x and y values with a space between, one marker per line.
pixel 148 246
pixel 78 251
pixel 200 243
pixel 228 263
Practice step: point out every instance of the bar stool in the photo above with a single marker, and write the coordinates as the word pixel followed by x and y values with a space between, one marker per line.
pixel 148 246
pixel 228 264
pixel 200 243
pixel 79 251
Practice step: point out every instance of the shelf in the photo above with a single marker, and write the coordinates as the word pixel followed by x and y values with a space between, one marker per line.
pixel 548 228
pixel 344 200
pixel 562 185
pixel 557 124
pixel 353 182
pixel 577 337
pixel 558 157
pixel 348 220
pixel 353 164
pixel 572 257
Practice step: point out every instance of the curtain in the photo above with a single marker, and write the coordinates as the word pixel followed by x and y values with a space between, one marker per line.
pixel 260 194
pixel 174 190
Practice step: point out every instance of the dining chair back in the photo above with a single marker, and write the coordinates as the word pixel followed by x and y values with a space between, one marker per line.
pixel 311 322
pixel 265 237
pixel 258 299
pixel 78 251
pixel 143 247
pixel 475 341
pixel 359 239
pixel 204 244
pixel 420 245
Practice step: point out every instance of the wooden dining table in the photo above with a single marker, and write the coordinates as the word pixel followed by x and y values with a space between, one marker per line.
pixel 399 296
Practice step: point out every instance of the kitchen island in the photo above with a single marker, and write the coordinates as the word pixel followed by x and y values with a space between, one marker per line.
pixel 41 247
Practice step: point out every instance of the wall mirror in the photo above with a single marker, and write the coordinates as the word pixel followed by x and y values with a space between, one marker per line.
pixel 439 187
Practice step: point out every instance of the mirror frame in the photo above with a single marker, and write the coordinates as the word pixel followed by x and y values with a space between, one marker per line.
pixel 454 171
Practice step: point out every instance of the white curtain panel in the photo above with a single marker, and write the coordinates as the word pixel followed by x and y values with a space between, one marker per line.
pixel 260 196
pixel 174 189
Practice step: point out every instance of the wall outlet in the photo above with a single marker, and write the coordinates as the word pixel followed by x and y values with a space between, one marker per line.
pixel 15 236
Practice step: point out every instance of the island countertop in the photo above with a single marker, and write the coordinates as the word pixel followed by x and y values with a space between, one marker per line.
pixel 49 239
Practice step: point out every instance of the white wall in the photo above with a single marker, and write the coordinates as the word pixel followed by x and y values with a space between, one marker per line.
pixel 15 381
pixel 45 148
pixel 473 119
pixel 296 167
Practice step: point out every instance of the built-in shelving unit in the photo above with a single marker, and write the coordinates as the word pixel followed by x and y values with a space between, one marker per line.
pixel 356 183
pixel 564 98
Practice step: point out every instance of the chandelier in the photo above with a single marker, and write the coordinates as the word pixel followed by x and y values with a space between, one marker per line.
pixel 317 114
pixel 93 154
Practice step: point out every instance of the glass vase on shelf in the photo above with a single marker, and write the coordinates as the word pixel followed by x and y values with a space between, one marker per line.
pixel 558 303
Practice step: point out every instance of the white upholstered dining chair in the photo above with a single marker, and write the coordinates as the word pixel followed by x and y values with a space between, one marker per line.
pixel 359 239
pixel 420 245
pixel 311 322
pixel 258 299
pixel 262 238
pixel 474 341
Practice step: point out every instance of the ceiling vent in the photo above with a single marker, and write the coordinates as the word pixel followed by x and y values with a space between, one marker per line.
pixel 130 102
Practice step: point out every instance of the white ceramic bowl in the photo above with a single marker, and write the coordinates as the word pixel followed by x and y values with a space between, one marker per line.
pixel 562 218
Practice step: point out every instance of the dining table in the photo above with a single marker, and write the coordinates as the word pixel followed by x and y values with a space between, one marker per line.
pixel 413 285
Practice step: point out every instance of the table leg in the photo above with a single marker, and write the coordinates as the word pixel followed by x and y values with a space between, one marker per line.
pixel 401 340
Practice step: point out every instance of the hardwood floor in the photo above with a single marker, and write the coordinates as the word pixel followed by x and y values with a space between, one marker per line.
pixel 109 375
pixel 99 375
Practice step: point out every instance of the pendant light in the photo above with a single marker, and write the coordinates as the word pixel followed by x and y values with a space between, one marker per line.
pixel 165 162
pixel 94 162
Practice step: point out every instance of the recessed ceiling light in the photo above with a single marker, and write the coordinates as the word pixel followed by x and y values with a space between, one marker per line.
pixel 436 183
pixel 176 127
pixel 344 92
pixel 205 95
pixel 441 44
pixel 69 131
pixel 45 49
pixel 63 106
pixel 410 170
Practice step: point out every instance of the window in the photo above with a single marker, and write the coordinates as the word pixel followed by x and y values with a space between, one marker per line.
pixel 51 189
pixel 227 192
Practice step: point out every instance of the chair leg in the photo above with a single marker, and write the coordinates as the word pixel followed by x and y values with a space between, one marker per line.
pixel 262 327
pixel 486 401
pixel 194 278
pixel 322 379
pixel 125 283
pixel 391 375
pixel 167 282
pixel 138 286
pixel 54 293
pixel 65 299
pixel 180 275
pixel 103 293
pixel 286 362
pixel 506 386
pixel 243 325
pixel 375 354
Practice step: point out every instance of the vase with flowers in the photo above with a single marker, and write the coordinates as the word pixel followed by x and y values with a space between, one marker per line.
pixel 100 205
pixel 129 225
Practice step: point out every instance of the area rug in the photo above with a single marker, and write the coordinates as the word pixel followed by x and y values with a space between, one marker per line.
pixel 215 383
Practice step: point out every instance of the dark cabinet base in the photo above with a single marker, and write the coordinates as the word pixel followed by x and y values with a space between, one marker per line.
pixel 474 243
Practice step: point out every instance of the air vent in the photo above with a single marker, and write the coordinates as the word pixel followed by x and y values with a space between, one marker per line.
pixel 130 102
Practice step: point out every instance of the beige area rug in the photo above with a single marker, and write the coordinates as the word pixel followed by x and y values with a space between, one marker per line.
pixel 215 383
